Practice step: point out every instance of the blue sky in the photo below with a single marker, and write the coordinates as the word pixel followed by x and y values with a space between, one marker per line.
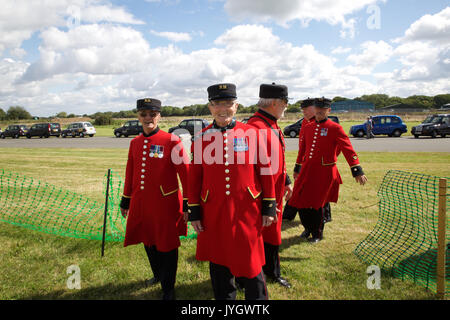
pixel 84 56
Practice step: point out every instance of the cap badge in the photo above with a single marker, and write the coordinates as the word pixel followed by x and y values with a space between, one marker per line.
pixel 222 86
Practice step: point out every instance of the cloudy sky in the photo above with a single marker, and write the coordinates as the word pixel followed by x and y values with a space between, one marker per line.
pixel 83 56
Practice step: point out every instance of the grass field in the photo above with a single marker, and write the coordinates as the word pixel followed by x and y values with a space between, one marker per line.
pixel 33 264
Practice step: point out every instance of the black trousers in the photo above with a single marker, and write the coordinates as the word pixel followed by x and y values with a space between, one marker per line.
pixel 225 289
pixel 164 267
pixel 327 212
pixel 313 221
pixel 272 267
pixel 290 212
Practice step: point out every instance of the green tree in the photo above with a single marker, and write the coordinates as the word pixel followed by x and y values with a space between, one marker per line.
pixel 17 113
pixel 2 114
pixel 423 102
pixel 61 114
pixel 103 119
pixel 393 100
pixel 440 100
pixel 379 100
pixel 293 108
pixel 337 99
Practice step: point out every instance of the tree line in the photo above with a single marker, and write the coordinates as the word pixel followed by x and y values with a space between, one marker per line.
pixel 101 118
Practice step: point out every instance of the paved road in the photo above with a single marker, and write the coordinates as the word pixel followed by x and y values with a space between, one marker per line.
pixel 380 144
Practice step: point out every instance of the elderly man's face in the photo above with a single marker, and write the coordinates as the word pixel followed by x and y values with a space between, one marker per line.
pixel 279 108
pixel 309 112
pixel 322 113
pixel 149 120
pixel 223 111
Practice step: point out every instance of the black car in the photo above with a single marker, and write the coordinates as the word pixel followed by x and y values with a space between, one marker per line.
pixel 130 128
pixel 44 130
pixel 433 125
pixel 190 126
pixel 294 129
pixel 15 131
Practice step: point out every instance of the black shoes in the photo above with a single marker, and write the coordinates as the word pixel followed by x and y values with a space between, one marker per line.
pixel 283 282
pixel 314 240
pixel 151 282
pixel 305 234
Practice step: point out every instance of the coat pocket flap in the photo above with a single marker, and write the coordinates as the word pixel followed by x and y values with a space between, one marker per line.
pixel 168 193
pixel 253 192
pixel 204 195
pixel 328 161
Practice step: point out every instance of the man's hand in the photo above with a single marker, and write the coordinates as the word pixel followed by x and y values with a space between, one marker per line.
pixel 197 225
pixel 295 175
pixel 186 217
pixel 124 212
pixel 267 221
pixel 361 179
pixel 288 192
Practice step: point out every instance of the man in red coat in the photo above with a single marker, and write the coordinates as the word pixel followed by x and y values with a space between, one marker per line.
pixel 152 199
pixel 309 112
pixel 272 104
pixel 231 198
pixel 319 178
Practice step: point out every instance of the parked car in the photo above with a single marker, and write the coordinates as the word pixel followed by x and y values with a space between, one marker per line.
pixel 130 128
pixel 393 126
pixel 191 126
pixel 433 125
pixel 80 129
pixel 293 130
pixel 15 131
pixel 44 130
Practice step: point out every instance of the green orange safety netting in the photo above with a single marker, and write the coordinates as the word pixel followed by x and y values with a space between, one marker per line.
pixel 44 207
pixel 404 240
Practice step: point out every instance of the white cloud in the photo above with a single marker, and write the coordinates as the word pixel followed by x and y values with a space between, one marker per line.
pixel 434 28
pixel 374 53
pixel 341 50
pixel 424 49
pixel 107 66
pixel 284 11
pixel 173 36
pixel 92 49
pixel 89 68
pixel 19 19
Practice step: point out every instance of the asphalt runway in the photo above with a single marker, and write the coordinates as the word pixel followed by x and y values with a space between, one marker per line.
pixel 379 144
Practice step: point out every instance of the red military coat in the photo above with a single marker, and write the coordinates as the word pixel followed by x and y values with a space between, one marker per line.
pixel 305 122
pixel 319 178
pixel 155 215
pixel 298 162
pixel 227 188
pixel 276 148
